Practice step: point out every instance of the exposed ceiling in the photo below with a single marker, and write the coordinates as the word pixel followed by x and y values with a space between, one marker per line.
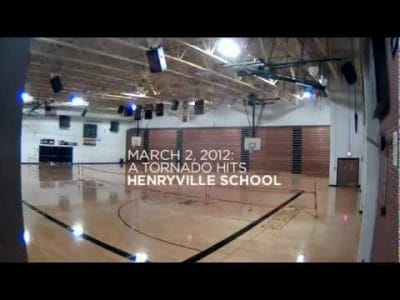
pixel 102 69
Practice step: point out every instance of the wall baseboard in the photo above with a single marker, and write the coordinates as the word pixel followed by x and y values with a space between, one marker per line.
pixel 335 185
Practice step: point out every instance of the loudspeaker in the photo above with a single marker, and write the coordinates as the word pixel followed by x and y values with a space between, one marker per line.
pixel 199 107
pixel 349 72
pixel 382 86
pixel 56 84
pixel 156 60
pixel 159 109
pixel 84 112
pixel 148 112
pixel 138 112
pixel 121 109
pixel 64 122
pixel 114 126
pixel 175 105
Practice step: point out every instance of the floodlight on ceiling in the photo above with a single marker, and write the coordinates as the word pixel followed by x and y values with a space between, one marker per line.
pixel 26 98
pixel 228 47
pixel 78 101
pixel 133 106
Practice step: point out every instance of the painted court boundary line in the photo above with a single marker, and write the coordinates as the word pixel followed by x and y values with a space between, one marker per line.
pixel 237 234
pixel 84 235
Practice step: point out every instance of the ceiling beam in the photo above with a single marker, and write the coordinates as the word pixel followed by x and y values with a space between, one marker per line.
pixel 190 64
pixel 63 69
pixel 324 52
pixel 121 58
pixel 224 61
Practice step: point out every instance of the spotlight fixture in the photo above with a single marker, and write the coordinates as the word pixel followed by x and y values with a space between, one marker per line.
pixel 78 101
pixel 228 47
pixel 26 97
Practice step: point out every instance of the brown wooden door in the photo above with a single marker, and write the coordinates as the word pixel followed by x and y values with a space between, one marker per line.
pixel 347 172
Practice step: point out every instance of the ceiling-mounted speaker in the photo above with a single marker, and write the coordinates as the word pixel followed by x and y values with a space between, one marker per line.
pixel 138 112
pixel 159 109
pixel 56 84
pixel 349 72
pixel 175 105
pixel 64 122
pixel 121 109
pixel 199 107
pixel 148 111
pixel 156 60
pixel 114 126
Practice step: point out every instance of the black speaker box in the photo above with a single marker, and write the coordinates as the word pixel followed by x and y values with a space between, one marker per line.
pixel 159 109
pixel 121 109
pixel 156 60
pixel 199 107
pixel 382 77
pixel 114 126
pixel 148 112
pixel 349 72
pixel 56 84
pixel 64 122
pixel 175 105
pixel 138 112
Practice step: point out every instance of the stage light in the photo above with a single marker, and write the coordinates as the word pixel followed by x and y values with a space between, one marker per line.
pixel 26 98
pixel 349 153
pixel 78 101
pixel 133 106
pixel 228 47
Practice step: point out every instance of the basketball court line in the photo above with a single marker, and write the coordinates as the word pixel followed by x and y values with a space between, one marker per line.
pixel 240 232
pixel 84 236
pixel 194 258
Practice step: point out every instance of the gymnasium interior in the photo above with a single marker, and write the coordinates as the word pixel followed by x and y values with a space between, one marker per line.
pixel 300 134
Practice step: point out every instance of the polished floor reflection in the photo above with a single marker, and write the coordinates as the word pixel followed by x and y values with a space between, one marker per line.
pixel 172 224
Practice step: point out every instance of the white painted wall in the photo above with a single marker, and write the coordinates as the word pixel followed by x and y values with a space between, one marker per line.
pixel 110 146
pixel 343 135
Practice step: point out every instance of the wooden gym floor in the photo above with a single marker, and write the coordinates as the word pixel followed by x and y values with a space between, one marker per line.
pixel 176 224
